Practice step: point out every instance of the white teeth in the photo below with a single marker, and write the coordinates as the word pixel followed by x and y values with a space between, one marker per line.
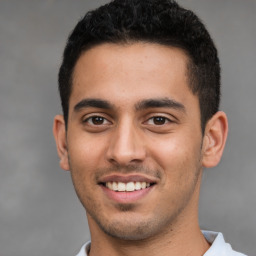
pixel 109 185
pixel 129 186
pixel 137 185
pixel 114 186
pixel 121 186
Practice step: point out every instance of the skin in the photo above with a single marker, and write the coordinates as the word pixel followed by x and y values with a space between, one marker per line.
pixel 131 136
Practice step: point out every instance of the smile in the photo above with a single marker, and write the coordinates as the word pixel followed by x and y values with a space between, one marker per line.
pixel 126 187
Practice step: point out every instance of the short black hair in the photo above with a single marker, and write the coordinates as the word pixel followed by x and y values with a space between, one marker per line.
pixel 155 21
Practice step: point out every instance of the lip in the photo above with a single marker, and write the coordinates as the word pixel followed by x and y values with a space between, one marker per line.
pixel 127 178
pixel 127 197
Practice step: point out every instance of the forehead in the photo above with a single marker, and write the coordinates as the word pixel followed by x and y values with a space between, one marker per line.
pixel 130 72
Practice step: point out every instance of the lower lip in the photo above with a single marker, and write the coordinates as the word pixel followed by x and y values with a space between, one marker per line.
pixel 126 197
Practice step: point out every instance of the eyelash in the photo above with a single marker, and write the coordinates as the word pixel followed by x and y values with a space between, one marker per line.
pixel 162 118
pixel 89 120
pixel 103 121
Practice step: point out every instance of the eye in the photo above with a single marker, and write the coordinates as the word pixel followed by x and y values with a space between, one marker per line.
pixel 158 120
pixel 96 120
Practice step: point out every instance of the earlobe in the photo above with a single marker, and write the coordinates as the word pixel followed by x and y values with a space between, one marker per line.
pixel 59 132
pixel 215 137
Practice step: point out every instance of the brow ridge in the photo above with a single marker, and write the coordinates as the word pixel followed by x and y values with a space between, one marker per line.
pixel 160 103
pixel 95 103
pixel 141 105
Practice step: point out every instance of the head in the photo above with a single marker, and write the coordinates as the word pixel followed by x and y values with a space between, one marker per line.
pixel 152 21
pixel 139 83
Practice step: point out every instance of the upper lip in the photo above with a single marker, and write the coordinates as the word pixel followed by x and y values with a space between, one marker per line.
pixel 127 178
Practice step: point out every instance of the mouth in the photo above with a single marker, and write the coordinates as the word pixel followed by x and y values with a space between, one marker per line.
pixel 127 189
pixel 130 186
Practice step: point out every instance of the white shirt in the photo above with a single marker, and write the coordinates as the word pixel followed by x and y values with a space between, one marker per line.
pixel 218 246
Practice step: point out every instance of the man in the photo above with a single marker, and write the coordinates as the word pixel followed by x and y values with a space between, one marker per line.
pixel 140 88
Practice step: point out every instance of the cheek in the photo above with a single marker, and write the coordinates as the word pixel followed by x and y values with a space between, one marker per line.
pixel 84 152
pixel 83 157
pixel 82 160
pixel 177 156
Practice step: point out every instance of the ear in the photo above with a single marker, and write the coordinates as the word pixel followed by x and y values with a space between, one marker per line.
pixel 214 141
pixel 59 132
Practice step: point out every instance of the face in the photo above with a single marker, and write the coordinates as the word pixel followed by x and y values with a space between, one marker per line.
pixel 133 142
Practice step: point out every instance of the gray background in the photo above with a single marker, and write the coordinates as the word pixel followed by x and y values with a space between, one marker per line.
pixel 39 212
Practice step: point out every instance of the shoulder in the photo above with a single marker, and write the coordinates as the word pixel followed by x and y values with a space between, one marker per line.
pixel 218 245
pixel 84 251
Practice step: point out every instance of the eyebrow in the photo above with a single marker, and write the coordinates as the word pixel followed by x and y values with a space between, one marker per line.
pixel 160 103
pixel 141 105
pixel 95 103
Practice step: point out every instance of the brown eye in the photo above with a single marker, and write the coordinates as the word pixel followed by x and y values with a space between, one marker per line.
pixel 97 120
pixel 159 120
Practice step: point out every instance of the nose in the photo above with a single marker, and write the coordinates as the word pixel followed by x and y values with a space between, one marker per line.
pixel 126 145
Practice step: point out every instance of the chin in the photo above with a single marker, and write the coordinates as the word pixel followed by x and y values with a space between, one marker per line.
pixel 130 229
pixel 128 233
